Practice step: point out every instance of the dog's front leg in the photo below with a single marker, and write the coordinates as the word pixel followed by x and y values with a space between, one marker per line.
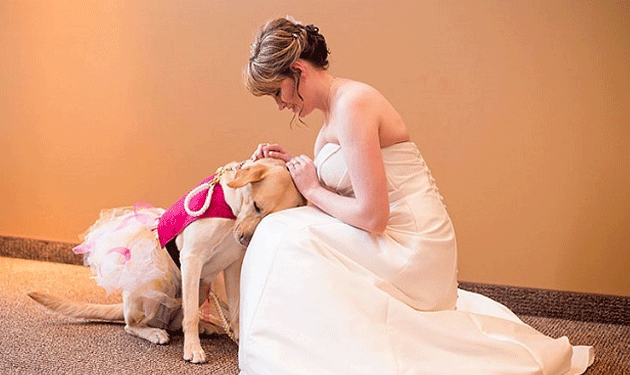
pixel 191 273
pixel 232 277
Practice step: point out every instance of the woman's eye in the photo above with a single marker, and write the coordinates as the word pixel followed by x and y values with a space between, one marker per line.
pixel 256 208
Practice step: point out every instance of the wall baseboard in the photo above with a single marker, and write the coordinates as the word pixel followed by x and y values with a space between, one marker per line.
pixel 26 248
pixel 521 300
pixel 587 307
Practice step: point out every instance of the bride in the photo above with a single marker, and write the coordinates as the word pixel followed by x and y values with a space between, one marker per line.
pixel 364 279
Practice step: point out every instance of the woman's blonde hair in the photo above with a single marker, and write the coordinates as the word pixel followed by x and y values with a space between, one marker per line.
pixel 278 44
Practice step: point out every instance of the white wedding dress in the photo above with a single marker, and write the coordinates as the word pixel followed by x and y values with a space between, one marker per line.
pixel 321 297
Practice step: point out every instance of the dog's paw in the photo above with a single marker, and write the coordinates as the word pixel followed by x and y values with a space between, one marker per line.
pixel 194 353
pixel 153 335
pixel 159 337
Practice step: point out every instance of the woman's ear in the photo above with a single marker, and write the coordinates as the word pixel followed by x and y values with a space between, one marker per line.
pixel 298 68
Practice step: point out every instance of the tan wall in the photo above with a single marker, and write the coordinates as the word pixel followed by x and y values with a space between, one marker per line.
pixel 520 108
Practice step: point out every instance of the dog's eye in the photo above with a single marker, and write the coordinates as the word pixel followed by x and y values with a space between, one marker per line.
pixel 256 208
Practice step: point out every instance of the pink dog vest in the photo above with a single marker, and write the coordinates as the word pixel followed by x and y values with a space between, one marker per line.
pixel 176 219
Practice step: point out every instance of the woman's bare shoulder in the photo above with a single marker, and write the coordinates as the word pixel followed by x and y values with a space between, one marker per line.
pixel 367 102
pixel 358 99
pixel 353 91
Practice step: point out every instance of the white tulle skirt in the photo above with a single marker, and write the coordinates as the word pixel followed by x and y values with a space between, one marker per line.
pixel 122 250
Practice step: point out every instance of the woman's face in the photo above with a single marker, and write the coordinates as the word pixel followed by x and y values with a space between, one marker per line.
pixel 287 97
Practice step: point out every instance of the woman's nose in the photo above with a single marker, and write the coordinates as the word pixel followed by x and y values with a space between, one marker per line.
pixel 281 105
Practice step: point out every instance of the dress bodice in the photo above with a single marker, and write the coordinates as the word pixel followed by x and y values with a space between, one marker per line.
pixel 405 170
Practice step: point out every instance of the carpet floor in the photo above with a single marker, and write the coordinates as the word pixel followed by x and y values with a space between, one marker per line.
pixel 36 341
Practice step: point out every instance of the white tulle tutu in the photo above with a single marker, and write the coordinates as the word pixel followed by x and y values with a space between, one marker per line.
pixel 124 253
pixel 122 250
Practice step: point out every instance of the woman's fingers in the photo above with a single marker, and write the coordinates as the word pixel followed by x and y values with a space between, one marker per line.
pixel 304 173
pixel 271 150
pixel 276 151
pixel 259 152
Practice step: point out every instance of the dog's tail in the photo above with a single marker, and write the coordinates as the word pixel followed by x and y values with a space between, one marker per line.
pixel 112 313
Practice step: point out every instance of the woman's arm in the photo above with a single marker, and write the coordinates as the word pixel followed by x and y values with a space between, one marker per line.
pixel 357 128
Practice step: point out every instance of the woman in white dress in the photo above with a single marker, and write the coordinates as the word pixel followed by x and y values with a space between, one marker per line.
pixel 364 279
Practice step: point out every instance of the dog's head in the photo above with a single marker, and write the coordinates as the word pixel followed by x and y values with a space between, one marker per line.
pixel 262 187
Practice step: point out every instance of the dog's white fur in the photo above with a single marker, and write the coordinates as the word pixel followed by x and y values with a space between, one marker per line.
pixel 207 247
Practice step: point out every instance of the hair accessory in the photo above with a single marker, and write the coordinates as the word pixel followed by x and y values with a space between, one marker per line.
pixel 312 29
pixel 294 35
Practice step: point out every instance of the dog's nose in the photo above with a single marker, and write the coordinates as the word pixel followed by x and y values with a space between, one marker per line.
pixel 244 239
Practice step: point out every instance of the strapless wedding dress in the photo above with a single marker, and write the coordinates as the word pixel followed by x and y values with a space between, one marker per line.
pixel 322 297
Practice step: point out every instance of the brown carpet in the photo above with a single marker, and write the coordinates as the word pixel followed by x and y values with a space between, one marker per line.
pixel 35 341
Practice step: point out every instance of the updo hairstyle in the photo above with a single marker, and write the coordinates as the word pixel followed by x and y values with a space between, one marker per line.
pixel 278 44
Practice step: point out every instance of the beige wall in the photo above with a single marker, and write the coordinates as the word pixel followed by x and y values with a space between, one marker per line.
pixel 520 108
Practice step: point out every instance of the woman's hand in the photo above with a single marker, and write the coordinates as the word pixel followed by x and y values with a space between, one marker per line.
pixel 304 174
pixel 271 150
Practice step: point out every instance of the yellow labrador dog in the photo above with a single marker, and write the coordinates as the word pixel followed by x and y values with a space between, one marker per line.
pixel 151 301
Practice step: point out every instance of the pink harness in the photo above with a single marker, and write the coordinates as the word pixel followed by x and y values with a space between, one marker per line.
pixel 176 219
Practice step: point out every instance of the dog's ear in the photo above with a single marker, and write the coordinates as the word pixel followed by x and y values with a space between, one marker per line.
pixel 244 176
